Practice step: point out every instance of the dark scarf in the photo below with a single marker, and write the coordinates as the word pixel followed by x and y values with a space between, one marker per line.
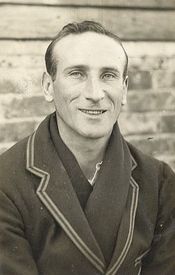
pixel 103 205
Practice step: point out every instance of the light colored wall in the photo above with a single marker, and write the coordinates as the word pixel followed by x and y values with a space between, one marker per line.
pixel 147 28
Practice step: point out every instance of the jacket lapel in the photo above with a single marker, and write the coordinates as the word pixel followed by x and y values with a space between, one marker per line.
pixel 126 228
pixel 106 204
pixel 57 194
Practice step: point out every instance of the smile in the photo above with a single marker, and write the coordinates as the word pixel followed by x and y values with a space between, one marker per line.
pixel 92 112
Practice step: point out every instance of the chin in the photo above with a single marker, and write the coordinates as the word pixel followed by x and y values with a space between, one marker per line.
pixel 96 134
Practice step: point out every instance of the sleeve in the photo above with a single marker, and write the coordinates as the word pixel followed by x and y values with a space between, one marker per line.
pixel 161 258
pixel 15 251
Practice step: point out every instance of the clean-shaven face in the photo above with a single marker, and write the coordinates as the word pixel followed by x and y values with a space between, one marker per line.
pixel 89 88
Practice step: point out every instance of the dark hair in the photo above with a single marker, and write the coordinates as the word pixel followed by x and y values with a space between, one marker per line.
pixel 78 28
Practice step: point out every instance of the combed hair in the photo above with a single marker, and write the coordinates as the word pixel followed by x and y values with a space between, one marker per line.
pixel 78 28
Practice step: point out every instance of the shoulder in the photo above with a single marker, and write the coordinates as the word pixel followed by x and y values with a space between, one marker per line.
pixel 13 162
pixel 14 157
pixel 12 167
pixel 151 169
pixel 145 163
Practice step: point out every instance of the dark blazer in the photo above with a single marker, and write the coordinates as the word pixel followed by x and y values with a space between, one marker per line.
pixel 44 231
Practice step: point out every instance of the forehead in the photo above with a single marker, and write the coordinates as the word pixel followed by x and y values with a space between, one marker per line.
pixel 90 49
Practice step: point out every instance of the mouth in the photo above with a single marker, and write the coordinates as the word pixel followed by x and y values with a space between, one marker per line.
pixel 93 111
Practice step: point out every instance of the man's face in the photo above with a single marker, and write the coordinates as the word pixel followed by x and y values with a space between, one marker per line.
pixel 89 88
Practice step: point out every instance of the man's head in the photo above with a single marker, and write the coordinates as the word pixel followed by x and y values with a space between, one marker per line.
pixel 87 79
pixel 78 28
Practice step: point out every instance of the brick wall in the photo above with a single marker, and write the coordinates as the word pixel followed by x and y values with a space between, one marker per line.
pixel 149 38
pixel 148 120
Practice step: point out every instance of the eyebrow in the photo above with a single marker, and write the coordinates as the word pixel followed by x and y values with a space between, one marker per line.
pixel 84 67
pixel 114 69
pixel 78 67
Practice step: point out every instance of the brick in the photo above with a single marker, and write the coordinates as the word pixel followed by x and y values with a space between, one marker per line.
pixel 152 49
pixel 167 123
pixel 14 131
pixel 29 54
pixel 10 48
pixel 171 62
pixel 20 107
pixel 141 101
pixel 20 81
pixel 147 123
pixel 139 80
pixel 137 25
pixel 8 86
pixel 154 145
pixel 163 79
pixel 149 63
pixel 21 61
pixel 173 79
pixel 139 123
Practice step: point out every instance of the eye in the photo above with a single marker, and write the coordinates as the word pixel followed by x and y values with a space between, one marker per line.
pixel 76 74
pixel 108 76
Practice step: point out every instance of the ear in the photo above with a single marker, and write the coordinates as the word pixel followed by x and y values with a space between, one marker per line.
pixel 47 85
pixel 125 90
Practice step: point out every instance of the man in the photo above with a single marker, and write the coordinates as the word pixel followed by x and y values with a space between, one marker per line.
pixel 76 198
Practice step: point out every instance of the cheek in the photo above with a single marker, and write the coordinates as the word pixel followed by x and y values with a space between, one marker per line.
pixel 64 102
pixel 60 93
pixel 115 96
pixel 68 92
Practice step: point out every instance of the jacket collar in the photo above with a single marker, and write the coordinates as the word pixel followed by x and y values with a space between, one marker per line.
pixel 126 229
pixel 55 189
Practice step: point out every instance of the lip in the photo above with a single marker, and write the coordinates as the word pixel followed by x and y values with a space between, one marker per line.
pixel 92 112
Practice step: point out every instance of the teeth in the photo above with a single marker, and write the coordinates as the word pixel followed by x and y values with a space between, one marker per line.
pixel 92 112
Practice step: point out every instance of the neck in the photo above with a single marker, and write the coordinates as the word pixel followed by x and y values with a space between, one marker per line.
pixel 87 151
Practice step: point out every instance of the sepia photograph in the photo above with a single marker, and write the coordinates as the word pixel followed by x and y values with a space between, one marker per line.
pixel 87 137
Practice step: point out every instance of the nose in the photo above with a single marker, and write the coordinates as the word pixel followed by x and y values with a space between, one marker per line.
pixel 94 90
